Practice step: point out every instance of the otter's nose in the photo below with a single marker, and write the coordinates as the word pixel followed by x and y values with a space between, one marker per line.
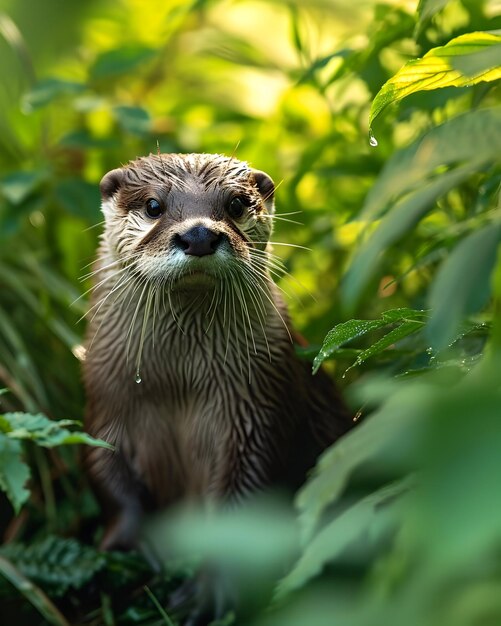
pixel 199 241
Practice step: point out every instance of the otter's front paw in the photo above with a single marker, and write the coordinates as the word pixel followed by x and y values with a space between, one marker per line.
pixel 121 533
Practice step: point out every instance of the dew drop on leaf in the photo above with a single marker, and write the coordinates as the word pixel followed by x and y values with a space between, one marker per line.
pixel 372 140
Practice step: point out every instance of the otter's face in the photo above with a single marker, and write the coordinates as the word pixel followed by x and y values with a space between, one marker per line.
pixel 187 220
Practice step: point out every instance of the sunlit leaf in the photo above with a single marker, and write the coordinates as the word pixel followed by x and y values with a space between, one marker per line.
pixel 464 61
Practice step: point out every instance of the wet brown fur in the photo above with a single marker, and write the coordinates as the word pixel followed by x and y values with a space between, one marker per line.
pixel 224 407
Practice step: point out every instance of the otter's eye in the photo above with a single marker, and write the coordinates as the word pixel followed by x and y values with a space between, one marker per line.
pixel 153 208
pixel 237 206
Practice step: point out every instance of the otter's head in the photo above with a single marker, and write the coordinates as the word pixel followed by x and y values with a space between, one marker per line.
pixel 187 220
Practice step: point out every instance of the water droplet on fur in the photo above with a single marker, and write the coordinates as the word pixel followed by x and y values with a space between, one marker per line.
pixel 138 378
pixel 372 140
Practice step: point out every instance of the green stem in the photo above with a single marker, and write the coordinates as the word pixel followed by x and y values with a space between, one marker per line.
pixel 159 607
pixel 32 593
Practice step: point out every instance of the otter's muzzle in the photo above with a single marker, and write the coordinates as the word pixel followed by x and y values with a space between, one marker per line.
pixel 199 241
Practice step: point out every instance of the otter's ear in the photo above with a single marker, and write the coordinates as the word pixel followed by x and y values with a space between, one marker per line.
pixel 266 187
pixel 111 182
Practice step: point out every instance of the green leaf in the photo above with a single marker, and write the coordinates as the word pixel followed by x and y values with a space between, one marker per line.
pixel 45 432
pixel 464 61
pixel 16 187
pixel 428 8
pixel 347 331
pixel 395 335
pixel 134 120
pixel 469 266
pixel 120 61
pixel 14 472
pixel 403 314
pixel 54 563
pixel 79 198
pixel 341 334
pixel 48 90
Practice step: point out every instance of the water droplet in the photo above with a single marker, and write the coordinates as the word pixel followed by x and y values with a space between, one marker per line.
pixel 429 350
pixel 372 139
pixel 138 378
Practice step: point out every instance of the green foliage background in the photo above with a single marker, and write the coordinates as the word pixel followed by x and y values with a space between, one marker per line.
pixel 400 522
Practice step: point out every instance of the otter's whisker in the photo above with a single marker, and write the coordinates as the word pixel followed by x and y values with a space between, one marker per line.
pixel 121 287
pixel 258 307
pixel 245 309
pixel 226 320
pixel 281 243
pixel 146 313
pixel 279 218
pixel 121 284
pixel 101 283
pixel 172 308
pixel 132 325
pixel 235 320
pixel 213 304
pixel 281 272
pixel 85 230
pixel 270 300
pixel 102 268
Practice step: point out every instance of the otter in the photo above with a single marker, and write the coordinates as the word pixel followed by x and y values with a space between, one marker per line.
pixel 191 372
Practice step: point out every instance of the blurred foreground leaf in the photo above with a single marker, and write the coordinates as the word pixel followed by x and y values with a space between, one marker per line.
pixel 469 266
pixel 410 184
pixel 372 516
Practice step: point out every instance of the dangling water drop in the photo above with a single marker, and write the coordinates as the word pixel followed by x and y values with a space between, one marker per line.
pixel 372 139
pixel 138 377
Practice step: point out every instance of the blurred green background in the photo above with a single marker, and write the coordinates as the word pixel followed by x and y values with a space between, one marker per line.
pixel 401 521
